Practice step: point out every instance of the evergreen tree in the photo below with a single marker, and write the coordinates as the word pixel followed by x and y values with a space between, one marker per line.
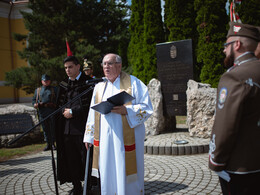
pixel 107 24
pixel 179 20
pixel 211 23
pixel 153 34
pixel 249 12
pixel 146 29
pixel 92 28
pixel 106 29
pixel 136 30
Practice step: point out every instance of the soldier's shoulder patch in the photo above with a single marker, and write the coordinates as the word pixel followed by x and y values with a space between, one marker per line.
pixel 222 97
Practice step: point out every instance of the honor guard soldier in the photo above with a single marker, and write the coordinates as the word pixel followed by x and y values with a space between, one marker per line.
pixel 88 68
pixel 234 146
pixel 44 100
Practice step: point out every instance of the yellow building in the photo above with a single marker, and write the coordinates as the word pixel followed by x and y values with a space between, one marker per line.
pixel 11 21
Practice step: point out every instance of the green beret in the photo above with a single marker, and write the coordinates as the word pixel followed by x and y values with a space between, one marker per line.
pixel 46 77
pixel 243 30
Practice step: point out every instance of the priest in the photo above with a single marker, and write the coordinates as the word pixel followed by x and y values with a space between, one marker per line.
pixel 118 137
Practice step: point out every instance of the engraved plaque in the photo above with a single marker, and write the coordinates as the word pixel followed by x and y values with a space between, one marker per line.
pixel 15 123
pixel 175 97
pixel 175 68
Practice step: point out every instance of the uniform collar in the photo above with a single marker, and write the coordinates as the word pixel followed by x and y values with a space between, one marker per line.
pixel 245 57
pixel 45 87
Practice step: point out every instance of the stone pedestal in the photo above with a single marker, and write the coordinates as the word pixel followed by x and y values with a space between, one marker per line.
pixel 32 137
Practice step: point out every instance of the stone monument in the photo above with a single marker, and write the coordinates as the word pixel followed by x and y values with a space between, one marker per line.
pixel 16 119
pixel 175 68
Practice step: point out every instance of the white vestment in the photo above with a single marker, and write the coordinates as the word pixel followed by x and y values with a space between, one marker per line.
pixel 111 143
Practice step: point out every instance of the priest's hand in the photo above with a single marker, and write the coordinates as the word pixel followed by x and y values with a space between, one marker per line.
pixel 119 110
pixel 88 145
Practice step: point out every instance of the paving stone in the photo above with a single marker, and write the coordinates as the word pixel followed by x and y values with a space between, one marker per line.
pixel 166 172
pixel 200 149
pixel 174 150
pixel 181 150
pixel 155 150
pixel 161 150
pixel 188 150
pixel 168 150
pixel 194 149
pixel 206 148
pixel 150 149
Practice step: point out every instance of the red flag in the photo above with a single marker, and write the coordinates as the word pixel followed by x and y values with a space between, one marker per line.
pixel 233 14
pixel 231 11
pixel 69 53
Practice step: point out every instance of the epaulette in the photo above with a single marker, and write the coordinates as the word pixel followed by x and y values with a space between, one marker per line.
pixel 63 84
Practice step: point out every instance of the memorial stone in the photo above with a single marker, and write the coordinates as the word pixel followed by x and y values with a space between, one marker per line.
pixel 175 68
pixel 16 119
pixel 15 123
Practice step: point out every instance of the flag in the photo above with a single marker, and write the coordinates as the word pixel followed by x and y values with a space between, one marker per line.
pixel 69 53
pixel 233 14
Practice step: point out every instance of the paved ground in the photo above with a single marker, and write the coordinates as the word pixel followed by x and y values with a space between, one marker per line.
pixel 186 174
pixel 164 174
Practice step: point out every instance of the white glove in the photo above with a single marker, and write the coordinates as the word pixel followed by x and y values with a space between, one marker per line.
pixel 224 175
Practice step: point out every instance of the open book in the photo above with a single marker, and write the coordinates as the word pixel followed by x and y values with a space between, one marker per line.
pixel 116 100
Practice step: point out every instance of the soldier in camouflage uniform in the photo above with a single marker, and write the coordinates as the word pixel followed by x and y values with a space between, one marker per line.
pixel 44 100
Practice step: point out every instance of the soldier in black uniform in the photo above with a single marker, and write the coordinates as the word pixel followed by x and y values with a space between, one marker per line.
pixel 235 145
pixel 71 152
pixel 44 100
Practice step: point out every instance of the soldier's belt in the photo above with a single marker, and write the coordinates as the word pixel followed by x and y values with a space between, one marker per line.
pixel 48 105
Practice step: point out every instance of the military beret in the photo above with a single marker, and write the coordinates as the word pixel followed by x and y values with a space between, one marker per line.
pixel 87 65
pixel 243 30
pixel 46 77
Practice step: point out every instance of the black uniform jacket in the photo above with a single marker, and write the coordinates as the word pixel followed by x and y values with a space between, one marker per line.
pixel 74 126
pixel 235 141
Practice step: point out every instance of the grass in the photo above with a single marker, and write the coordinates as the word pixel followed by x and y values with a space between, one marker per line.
pixel 181 119
pixel 12 153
